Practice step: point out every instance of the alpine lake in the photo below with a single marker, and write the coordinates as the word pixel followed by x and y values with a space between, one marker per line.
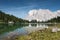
pixel 11 31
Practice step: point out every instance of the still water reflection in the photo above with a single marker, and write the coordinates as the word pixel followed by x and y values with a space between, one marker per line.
pixel 10 30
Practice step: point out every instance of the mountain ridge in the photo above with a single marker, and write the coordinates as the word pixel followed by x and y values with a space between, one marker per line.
pixel 42 15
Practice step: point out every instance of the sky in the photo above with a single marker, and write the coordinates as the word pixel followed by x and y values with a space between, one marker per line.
pixel 20 8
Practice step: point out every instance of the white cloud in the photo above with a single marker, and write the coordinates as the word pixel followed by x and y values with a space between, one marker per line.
pixel 42 14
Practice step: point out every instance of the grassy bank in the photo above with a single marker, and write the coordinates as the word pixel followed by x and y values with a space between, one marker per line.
pixel 40 35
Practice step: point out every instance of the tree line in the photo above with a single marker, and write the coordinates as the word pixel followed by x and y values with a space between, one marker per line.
pixel 7 18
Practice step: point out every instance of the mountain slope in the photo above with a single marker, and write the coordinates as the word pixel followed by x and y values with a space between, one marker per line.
pixel 42 15
pixel 55 20
pixel 6 18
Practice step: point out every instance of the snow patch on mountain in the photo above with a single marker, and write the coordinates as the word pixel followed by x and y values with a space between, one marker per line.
pixel 42 14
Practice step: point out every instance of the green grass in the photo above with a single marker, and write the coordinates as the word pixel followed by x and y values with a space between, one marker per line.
pixel 41 35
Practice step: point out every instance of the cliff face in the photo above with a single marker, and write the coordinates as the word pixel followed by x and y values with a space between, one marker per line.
pixel 42 15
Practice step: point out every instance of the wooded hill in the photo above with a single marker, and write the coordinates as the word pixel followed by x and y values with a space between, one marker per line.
pixel 5 18
pixel 57 20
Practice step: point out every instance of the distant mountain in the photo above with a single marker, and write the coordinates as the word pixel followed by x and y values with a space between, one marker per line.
pixel 42 15
pixel 5 18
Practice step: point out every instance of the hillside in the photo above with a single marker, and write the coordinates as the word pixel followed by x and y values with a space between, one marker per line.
pixel 57 20
pixel 5 18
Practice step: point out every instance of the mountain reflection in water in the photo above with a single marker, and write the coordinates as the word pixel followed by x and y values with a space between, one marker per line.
pixel 24 30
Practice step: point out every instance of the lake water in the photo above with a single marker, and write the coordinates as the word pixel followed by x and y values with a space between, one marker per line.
pixel 12 30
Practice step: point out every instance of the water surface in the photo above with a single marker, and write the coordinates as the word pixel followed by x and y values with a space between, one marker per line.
pixel 11 30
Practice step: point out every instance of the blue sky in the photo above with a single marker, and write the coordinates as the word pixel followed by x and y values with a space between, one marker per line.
pixel 20 8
